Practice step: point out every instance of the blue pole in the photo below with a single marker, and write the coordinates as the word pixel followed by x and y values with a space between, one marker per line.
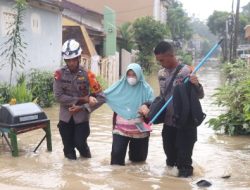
pixel 202 62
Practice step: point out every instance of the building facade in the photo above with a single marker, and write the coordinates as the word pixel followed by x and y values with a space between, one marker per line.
pixel 85 25
pixel 43 35
pixel 129 10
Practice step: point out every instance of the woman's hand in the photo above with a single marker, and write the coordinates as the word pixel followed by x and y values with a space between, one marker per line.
pixel 143 110
pixel 92 101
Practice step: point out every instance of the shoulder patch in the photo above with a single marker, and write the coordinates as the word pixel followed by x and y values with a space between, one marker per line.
pixel 58 75
pixel 162 74
pixel 160 71
pixel 95 87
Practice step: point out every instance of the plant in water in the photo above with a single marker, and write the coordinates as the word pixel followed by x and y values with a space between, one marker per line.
pixel 235 96
pixel 13 48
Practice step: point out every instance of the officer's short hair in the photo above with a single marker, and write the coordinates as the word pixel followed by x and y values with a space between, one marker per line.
pixel 163 47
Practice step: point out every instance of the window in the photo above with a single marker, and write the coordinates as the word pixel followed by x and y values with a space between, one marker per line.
pixel 35 23
pixel 7 15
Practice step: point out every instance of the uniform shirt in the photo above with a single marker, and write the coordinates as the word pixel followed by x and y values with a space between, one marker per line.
pixel 68 88
pixel 164 77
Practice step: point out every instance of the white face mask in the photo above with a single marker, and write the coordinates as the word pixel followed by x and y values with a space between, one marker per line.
pixel 132 81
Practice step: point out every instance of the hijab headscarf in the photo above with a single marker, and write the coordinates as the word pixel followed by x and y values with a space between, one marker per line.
pixel 125 99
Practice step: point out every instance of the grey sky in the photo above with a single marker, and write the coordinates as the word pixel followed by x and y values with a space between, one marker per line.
pixel 203 8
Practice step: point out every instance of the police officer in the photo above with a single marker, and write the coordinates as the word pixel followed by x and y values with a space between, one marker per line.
pixel 72 90
pixel 177 143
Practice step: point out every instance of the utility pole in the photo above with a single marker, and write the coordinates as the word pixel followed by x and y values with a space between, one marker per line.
pixel 226 41
pixel 236 31
pixel 231 30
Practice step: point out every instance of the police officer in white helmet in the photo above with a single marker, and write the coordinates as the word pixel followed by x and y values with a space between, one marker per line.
pixel 72 90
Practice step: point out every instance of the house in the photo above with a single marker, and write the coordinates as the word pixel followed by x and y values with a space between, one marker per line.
pixel 88 27
pixel 247 32
pixel 43 34
pixel 129 10
pixel 85 25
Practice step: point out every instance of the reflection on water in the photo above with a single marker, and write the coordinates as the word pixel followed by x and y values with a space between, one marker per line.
pixel 214 156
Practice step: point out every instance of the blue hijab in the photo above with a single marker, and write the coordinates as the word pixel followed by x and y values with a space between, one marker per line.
pixel 125 99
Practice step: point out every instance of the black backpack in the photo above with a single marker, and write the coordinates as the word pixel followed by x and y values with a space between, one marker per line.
pixel 187 108
pixel 160 101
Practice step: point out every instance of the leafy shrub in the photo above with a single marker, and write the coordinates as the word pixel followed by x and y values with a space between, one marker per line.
pixel 235 96
pixel 4 93
pixel 41 85
pixel 185 57
pixel 20 93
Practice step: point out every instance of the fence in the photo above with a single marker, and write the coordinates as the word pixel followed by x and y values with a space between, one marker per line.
pixel 107 68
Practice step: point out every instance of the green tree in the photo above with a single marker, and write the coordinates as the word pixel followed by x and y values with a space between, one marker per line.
pixel 205 36
pixel 244 20
pixel 178 22
pixel 147 34
pixel 205 47
pixel 217 22
pixel 202 30
pixel 217 25
pixel 13 48
pixel 246 11
pixel 127 39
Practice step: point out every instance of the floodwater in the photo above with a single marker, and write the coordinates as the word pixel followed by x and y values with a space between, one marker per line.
pixel 214 156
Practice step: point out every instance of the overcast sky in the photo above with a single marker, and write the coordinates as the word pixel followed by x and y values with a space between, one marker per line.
pixel 202 9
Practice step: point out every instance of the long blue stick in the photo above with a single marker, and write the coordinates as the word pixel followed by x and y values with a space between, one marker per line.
pixel 202 62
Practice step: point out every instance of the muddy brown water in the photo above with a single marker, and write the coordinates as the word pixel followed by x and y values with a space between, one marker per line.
pixel 214 156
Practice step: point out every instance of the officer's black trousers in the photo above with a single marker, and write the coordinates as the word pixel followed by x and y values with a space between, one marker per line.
pixel 74 136
pixel 178 146
pixel 138 149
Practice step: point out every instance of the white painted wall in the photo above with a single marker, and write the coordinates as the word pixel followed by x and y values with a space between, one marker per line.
pixel 86 19
pixel 160 11
pixel 43 33
pixel 126 59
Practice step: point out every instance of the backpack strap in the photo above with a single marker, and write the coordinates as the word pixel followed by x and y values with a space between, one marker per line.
pixel 170 85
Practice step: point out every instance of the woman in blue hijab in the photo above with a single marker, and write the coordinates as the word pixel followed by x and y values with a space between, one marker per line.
pixel 125 98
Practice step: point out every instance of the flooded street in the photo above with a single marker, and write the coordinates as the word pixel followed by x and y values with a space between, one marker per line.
pixel 214 156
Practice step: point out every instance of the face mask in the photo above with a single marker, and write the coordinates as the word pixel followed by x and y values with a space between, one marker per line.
pixel 132 81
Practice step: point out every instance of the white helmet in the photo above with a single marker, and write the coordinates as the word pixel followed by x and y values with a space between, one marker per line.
pixel 71 49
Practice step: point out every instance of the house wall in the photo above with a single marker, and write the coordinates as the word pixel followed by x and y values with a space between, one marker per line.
pixel 129 10
pixel 87 19
pixel 43 34
pixel 84 20
pixel 247 32
pixel 160 10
